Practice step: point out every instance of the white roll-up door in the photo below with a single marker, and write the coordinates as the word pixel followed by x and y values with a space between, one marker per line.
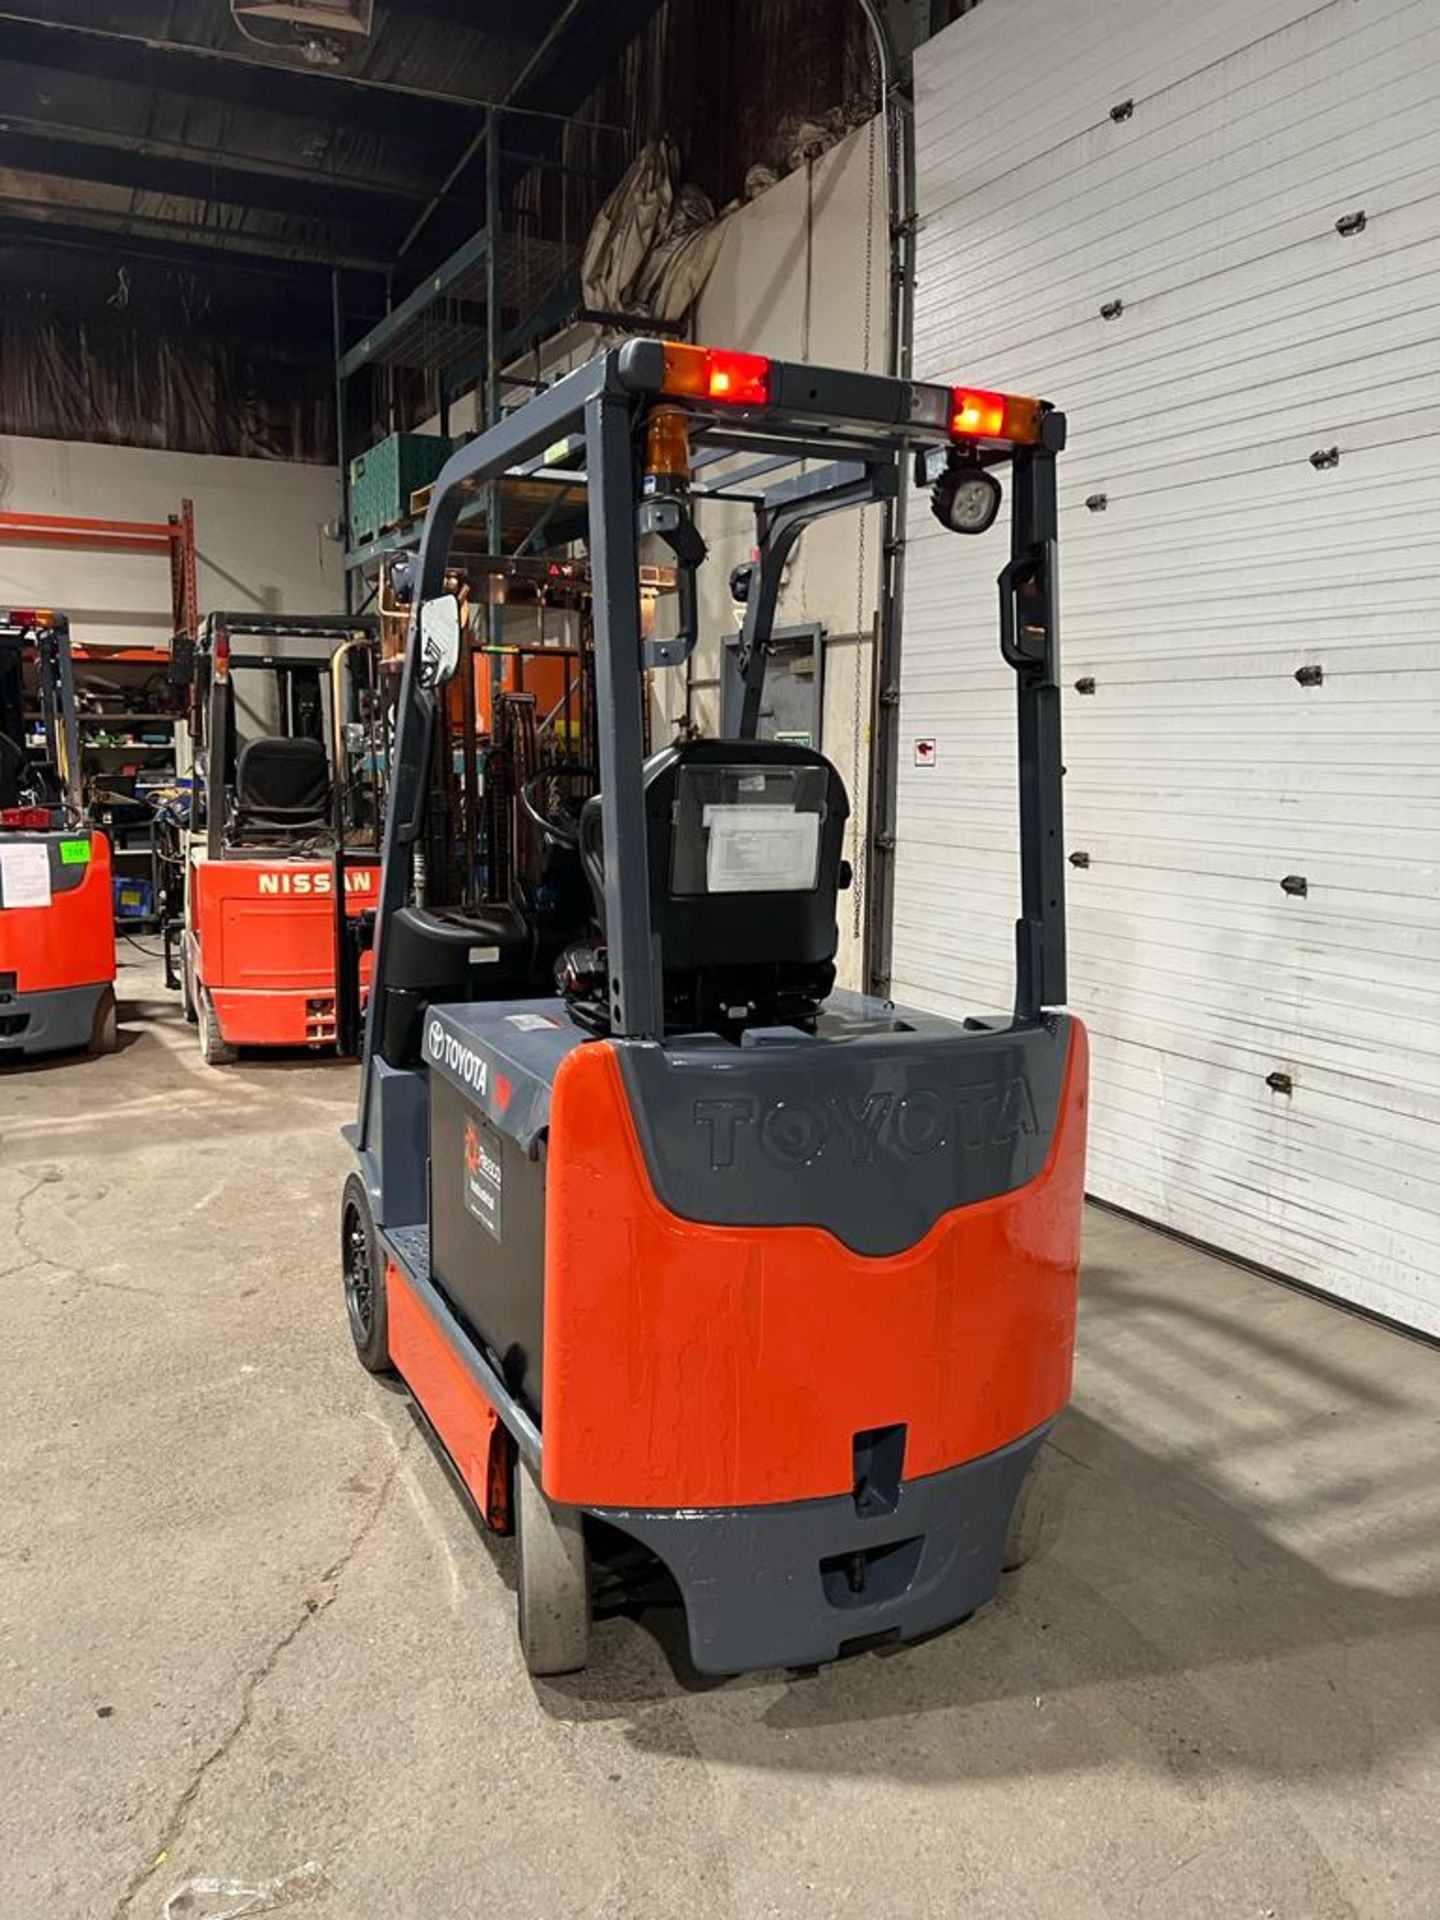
pixel 1212 235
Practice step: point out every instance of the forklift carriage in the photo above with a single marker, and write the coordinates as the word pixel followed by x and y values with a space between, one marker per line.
pixel 775 1280
pixel 57 928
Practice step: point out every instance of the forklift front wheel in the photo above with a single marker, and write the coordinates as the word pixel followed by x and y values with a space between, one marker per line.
pixel 364 1269
pixel 554 1586
pixel 215 1050
pixel 105 1027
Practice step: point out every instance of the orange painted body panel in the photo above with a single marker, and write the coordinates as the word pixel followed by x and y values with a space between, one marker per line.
pixel 691 1365
pixel 263 945
pixel 70 943
pixel 454 1405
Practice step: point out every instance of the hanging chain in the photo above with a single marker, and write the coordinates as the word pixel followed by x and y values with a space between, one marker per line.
pixel 859 834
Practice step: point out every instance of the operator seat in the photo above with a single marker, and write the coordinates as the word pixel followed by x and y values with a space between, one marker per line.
pixel 744 862
pixel 282 787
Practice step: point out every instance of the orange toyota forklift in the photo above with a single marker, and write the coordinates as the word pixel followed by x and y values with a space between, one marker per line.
pixel 290 745
pixel 57 924
pixel 685 1246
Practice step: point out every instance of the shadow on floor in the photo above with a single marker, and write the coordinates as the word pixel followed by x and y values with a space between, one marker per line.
pixel 1162 1622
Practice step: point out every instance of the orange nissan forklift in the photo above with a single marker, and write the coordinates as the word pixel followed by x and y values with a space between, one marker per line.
pixel 683 1247
pixel 57 928
pixel 290 742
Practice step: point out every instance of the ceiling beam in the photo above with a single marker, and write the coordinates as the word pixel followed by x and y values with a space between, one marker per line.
pixel 501 17
pixel 306 173
pixel 180 67
pixel 121 161
pixel 36 211
pixel 308 288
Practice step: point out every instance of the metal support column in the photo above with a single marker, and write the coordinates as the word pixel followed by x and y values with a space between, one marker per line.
pixel 898 108
pixel 342 452
pixel 494 539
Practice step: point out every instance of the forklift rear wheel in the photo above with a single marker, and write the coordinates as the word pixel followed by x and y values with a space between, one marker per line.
pixel 554 1587
pixel 364 1270
pixel 105 1027
pixel 1029 1518
pixel 215 1050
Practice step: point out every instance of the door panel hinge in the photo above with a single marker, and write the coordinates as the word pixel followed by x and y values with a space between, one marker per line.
pixel 1297 885
pixel 1279 1083
pixel 1310 676
pixel 1349 223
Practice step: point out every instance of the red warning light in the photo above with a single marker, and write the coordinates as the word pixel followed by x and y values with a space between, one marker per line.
pixel 976 415
pixel 715 373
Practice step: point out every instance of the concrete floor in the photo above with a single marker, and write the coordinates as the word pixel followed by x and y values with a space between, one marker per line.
pixel 249 1638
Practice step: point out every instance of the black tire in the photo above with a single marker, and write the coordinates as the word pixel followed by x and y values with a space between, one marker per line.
pixel 187 988
pixel 105 1027
pixel 1029 1529
pixel 553 1590
pixel 215 1049
pixel 363 1267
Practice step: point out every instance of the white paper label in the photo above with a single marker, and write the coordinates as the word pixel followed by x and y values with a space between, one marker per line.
pixel 530 1022
pixel 25 875
pixel 761 850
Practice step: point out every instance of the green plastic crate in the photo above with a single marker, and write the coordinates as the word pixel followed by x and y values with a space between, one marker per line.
pixel 383 478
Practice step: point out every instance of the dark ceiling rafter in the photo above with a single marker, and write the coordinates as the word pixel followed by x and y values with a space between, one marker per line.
pixel 125 164
pixel 316 95
pixel 70 215
pixel 311 278
pixel 316 92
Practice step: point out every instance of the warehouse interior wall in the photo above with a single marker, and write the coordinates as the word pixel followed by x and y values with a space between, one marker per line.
pixel 259 535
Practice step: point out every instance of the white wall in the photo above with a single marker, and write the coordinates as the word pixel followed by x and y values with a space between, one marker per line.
pixel 258 535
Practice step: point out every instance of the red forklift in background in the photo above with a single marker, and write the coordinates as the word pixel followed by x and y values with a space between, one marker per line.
pixel 57 931
pixel 289 736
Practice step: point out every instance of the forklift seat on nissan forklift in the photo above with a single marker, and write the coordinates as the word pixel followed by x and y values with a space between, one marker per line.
pixel 775 1280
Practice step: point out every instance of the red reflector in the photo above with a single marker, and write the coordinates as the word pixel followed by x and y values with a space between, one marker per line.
pixel 741 378
pixel 977 416
pixel 20 617
pixel 26 819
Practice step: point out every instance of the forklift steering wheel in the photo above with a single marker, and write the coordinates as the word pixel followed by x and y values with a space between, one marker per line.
pixel 550 802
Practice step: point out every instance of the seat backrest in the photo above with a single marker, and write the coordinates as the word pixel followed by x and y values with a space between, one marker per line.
pixel 744 861
pixel 283 783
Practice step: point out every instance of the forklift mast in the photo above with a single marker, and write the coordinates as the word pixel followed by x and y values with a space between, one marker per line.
pixel 643 474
